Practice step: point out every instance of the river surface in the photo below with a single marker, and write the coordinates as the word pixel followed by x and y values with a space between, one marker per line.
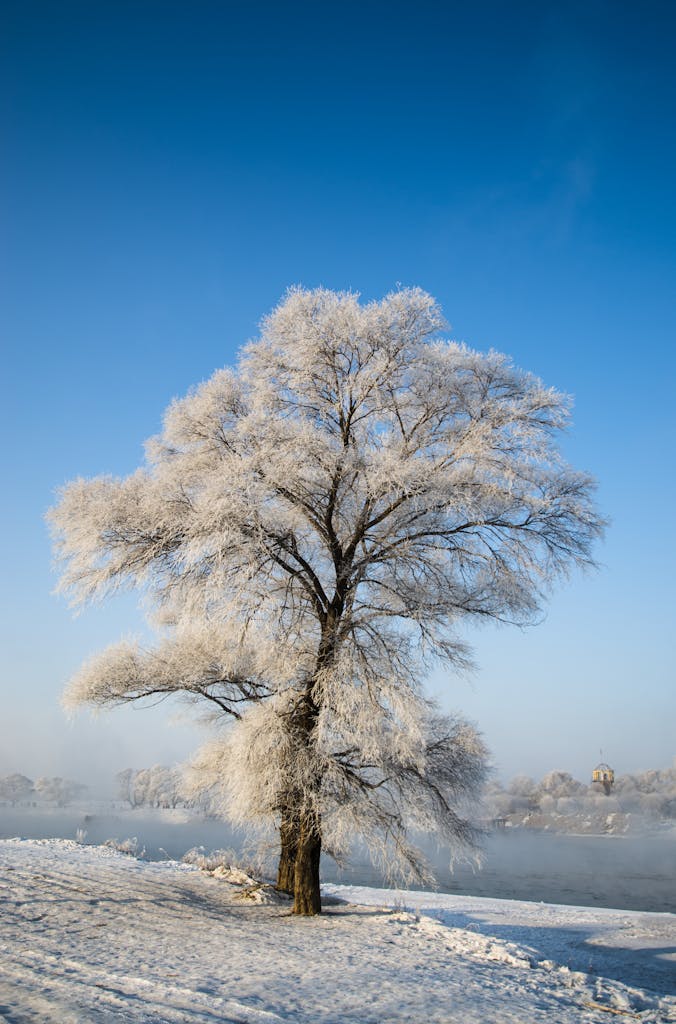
pixel 635 872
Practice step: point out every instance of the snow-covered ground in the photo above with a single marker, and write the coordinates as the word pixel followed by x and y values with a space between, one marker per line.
pixel 89 935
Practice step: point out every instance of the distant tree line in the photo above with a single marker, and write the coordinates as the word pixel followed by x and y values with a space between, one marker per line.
pixel 557 802
pixel 18 789
pixel 561 803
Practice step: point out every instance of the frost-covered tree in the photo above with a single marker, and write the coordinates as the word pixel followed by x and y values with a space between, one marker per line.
pixel 59 791
pixel 15 787
pixel 125 785
pixel 560 784
pixel 311 528
pixel 158 786
pixel 522 786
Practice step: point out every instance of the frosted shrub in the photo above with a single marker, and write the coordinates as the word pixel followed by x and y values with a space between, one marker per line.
pixel 224 865
pixel 210 861
pixel 128 846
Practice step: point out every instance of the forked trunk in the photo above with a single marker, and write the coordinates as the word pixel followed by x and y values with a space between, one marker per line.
pixel 288 837
pixel 306 877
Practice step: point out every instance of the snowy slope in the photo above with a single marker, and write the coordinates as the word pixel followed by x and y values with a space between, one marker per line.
pixel 636 948
pixel 88 935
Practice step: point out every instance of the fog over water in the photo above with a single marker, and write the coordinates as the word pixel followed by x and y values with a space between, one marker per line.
pixel 635 872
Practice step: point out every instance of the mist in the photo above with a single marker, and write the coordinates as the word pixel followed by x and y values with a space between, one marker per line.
pixel 95 747
pixel 534 849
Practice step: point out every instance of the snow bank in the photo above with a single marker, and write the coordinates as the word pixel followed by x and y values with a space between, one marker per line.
pixel 89 935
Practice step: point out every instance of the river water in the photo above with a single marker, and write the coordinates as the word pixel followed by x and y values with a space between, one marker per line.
pixel 635 872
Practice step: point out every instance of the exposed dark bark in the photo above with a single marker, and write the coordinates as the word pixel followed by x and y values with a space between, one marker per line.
pixel 288 836
pixel 306 895
pixel 300 829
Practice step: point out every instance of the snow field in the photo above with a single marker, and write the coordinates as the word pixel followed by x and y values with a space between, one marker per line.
pixel 89 935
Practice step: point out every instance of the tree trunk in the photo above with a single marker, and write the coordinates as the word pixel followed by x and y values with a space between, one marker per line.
pixel 306 877
pixel 288 836
pixel 303 818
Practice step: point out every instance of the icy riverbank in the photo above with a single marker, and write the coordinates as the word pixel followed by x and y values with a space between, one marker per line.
pixel 88 935
pixel 627 872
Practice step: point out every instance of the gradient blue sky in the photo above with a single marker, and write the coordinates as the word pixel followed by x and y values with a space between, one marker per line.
pixel 168 169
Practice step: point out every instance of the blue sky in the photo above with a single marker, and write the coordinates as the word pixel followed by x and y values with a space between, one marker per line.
pixel 169 169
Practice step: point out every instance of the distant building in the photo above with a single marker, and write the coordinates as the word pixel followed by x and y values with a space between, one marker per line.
pixel 604 775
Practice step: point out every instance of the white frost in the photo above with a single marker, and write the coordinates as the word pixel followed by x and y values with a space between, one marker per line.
pixel 310 529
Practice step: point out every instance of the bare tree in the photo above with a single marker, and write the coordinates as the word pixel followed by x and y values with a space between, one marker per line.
pixel 310 528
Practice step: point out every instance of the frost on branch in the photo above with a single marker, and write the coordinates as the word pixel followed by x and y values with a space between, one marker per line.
pixel 199 664
pixel 310 528
pixel 401 786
